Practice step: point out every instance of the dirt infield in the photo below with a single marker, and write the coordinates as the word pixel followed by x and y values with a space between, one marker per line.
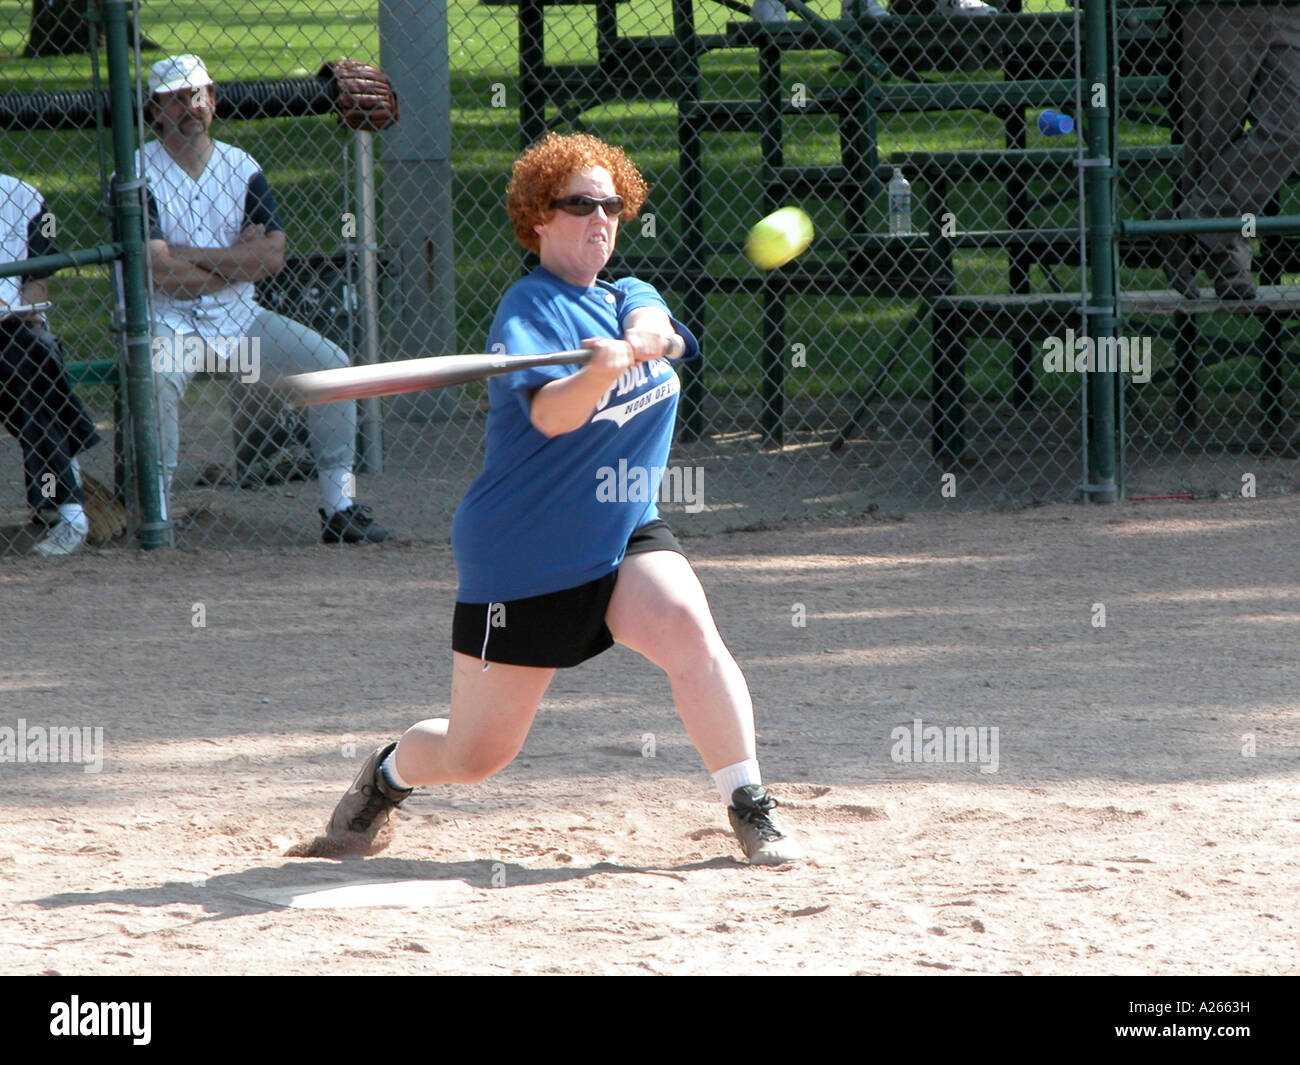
pixel 1135 810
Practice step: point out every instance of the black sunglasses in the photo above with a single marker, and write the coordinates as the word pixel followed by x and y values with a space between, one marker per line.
pixel 583 205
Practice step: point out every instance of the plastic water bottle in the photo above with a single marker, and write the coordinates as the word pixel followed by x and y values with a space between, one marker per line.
pixel 900 205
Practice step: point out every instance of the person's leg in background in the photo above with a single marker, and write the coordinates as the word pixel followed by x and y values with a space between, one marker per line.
pixel 289 347
pixel 1237 63
pixel 40 409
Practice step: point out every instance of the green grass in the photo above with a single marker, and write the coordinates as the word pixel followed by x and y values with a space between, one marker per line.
pixel 847 339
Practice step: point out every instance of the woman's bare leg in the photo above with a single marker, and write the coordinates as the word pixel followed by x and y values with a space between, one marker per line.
pixel 660 611
pixel 491 713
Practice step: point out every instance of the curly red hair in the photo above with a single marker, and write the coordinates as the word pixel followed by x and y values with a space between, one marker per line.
pixel 543 169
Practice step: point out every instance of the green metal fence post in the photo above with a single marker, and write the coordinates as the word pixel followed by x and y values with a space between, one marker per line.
pixel 126 209
pixel 1099 183
pixel 770 98
pixel 689 246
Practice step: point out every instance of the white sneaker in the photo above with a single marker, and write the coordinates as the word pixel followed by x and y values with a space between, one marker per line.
pixel 871 8
pixel 768 11
pixel 963 7
pixel 63 539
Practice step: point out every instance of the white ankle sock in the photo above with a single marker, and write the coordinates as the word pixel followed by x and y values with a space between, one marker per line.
pixel 335 490
pixel 389 768
pixel 75 515
pixel 731 777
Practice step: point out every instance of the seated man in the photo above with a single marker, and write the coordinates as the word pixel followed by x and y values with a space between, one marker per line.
pixel 213 232
pixel 37 404
pixel 1236 62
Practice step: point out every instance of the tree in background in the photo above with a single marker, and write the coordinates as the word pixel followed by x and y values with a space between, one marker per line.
pixel 58 27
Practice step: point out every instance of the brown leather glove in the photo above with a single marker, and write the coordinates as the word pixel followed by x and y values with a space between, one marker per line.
pixel 364 96
pixel 106 514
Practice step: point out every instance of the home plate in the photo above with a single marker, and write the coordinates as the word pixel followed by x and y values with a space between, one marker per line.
pixel 417 894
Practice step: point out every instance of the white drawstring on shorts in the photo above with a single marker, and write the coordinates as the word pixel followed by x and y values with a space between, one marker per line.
pixel 487 629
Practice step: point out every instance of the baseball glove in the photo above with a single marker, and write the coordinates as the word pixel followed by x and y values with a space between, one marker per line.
pixel 104 511
pixel 364 97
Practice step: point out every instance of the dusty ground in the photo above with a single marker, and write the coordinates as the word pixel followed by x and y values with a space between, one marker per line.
pixel 1143 816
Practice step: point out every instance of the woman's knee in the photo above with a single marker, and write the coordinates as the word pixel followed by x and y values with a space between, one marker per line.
pixel 686 629
pixel 476 764
pixel 477 772
pixel 429 750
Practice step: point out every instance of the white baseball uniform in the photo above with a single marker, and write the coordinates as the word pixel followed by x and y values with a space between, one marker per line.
pixel 210 212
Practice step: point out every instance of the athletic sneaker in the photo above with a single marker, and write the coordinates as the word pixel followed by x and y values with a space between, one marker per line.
pixel 64 539
pixel 763 843
pixel 352 526
pixel 359 824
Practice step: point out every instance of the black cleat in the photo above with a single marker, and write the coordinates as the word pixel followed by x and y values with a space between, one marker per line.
pixel 353 526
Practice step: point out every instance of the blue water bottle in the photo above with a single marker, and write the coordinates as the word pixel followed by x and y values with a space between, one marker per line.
pixel 1055 124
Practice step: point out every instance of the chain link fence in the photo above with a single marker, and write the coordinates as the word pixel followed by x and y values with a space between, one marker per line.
pixel 930 349
pixel 1215 136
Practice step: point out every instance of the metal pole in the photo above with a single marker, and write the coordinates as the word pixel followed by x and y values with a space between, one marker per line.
pixel 418 205
pixel 371 414
pixel 690 162
pixel 1099 477
pixel 127 211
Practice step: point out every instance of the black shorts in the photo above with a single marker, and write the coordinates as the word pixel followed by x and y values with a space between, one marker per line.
pixel 556 630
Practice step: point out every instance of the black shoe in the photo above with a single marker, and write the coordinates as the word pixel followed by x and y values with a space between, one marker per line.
pixel 1236 288
pixel 751 819
pixel 1229 268
pixel 353 526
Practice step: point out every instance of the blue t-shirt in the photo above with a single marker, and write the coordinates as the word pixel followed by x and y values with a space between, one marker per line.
pixel 548 514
